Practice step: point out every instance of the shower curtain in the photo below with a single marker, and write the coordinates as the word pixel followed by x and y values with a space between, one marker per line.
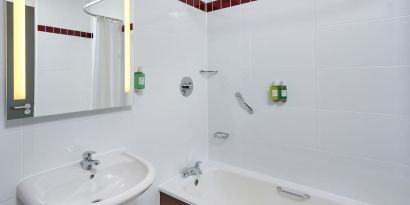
pixel 108 72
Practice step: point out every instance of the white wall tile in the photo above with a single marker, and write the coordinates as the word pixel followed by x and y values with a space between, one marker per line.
pixel 229 51
pixel 63 14
pixel 11 160
pixel 277 15
pixel 278 126
pixel 280 49
pixel 9 202
pixel 377 90
pixel 364 135
pixel 340 11
pixel 374 43
pixel 169 17
pixel 60 61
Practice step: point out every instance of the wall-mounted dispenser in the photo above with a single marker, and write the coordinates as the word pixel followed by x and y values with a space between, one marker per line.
pixel 139 79
pixel 274 92
pixel 278 92
pixel 283 92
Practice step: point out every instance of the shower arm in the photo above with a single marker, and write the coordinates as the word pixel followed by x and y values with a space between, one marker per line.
pixel 88 5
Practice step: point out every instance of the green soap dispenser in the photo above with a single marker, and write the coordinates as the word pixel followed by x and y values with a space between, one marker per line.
pixel 274 92
pixel 139 79
pixel 283 92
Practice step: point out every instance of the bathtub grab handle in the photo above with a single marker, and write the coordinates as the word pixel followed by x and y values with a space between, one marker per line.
pixel 221 135
pixel 292 194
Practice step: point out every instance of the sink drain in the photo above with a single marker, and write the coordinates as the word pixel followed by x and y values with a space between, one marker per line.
pixel 96 201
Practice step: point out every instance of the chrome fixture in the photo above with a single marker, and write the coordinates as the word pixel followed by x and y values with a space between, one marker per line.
pixel 88 163
pixel 242 100
pixel 208 71
pixel 293 194
pixel 192 171
pixel 221 135
pixel 94 2
pixel 186 86
pixel 26 107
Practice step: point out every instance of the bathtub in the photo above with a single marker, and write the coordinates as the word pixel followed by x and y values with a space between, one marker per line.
pixel 225 185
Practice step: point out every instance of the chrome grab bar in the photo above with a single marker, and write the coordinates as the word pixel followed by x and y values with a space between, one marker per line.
pixel 240 97
pixel 208 71
pixel 293 194
pixel 221 135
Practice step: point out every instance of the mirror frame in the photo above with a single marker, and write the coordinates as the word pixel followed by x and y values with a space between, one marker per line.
pixel 18 108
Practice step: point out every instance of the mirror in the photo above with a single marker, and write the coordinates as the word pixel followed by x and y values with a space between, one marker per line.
pixel 80 59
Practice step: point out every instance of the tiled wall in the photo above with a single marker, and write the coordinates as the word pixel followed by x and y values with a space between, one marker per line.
pixel 63 58
pixel 210 5
pixel 338 132
pixel 346 126
pixel 148 129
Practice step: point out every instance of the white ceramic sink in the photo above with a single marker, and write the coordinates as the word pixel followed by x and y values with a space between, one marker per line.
pixel 119 179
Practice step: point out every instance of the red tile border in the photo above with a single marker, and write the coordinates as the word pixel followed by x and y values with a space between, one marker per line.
pixel 41 28
pixel 214 5
pixel 63 31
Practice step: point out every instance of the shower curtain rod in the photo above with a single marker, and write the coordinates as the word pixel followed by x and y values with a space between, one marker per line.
pixel 88 5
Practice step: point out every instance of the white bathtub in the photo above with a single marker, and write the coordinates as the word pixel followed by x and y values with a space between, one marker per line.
pixel 224 185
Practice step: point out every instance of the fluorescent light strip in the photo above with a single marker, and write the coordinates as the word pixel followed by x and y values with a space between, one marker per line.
pixel 19 50
pixel 127 45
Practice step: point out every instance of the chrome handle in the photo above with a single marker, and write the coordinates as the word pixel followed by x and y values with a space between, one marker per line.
pixel 292 194
pixel 197 164
pixel 186 86
pixel 221 135
pixel 240 97
pixel 26 107
pixel 208 71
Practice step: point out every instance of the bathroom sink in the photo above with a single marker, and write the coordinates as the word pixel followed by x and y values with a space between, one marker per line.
pixel 119 179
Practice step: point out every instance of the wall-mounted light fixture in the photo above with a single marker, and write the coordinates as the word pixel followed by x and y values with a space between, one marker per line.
pixel 127 45
pixel 19 50
pixel 20 59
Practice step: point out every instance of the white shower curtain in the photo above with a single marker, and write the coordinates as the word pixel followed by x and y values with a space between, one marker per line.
pixel 108 72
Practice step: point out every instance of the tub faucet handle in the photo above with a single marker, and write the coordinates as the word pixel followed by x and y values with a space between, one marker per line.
pixel 88 155
pixel 198 164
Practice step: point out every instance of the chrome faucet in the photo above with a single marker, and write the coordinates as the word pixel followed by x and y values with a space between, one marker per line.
pixel 88 163
pixel 192 171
